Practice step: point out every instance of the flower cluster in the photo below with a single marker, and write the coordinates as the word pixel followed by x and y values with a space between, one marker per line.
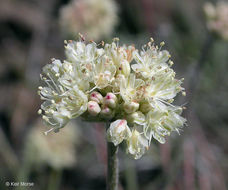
pixel 217 18
pixel 111 83
pixel 56 150
pixel 93 18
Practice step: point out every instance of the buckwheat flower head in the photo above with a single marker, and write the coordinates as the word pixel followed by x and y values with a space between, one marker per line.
pixel 133 90
pixel 93 18
pixel 56 150
pixel 217 18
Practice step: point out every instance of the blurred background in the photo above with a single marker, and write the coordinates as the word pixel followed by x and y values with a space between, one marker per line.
pixel 33 31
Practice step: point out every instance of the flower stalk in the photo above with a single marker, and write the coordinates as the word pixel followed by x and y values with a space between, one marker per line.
pixel 113 164
pixel 112 173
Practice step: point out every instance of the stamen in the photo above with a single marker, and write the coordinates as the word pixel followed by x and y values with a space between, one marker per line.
pixel 46 132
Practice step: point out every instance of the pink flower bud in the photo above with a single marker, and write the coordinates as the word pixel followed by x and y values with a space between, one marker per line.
pixel 93 108
pixel 96 97
pixel 110 100
pixel 106 112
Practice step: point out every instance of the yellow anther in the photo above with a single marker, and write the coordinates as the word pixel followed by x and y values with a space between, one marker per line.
pixel 162 44
pixel 39 111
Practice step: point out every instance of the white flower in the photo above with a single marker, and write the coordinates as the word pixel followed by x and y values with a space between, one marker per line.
pixel 104 72
pixel 62 102
pixel 93 18
pixel 162 122
pixel 82 53
pixel 82 60
pixel 118 131
pixel 217 18
pixel 162 88
pixel 74 77
pixel 121 57
pixel 136 145
pixel 137 118
pixel 98 84
pixel 55 150
pixel 130 89
pixel 150 62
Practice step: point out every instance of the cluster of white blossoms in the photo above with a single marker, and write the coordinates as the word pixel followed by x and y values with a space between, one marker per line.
pixel 93 18
pixel 217 18
pixel 57 150
pixel 131 89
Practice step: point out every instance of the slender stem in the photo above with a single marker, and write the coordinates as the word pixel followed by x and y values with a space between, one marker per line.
pixel 112 173
pixel 54 179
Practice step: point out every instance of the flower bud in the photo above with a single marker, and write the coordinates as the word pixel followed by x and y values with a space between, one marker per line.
pixel 118 131
pixel 106 111
pixel 110 100
pixel 124 68
pixel 93 108
pixel 136 117
pixel 96 97
pixel 145 107
pixel 130 107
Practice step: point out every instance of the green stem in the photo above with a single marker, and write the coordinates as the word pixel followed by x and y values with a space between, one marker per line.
pixel 112 173
pixel 54 179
